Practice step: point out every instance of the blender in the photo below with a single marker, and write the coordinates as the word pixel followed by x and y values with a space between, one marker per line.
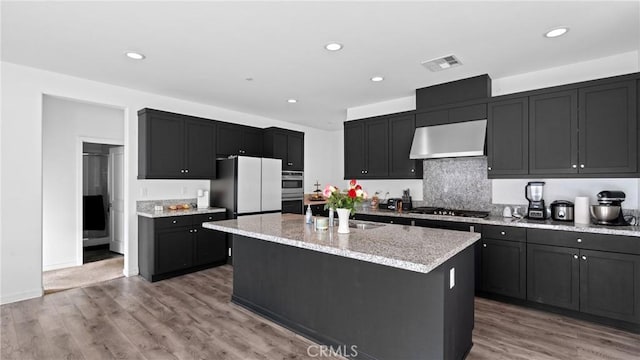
pixel 533 192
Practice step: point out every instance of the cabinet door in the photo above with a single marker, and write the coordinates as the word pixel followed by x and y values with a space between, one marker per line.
pixel 251 140
pixel 553 276
pixel 507 137
pixel 295 153
pixel 438 117
pixel 229 140
pixel 610 285
pixel 280 148
pixel 353 150
pixel 504 267
pixel 210 246
pixel 165 146
pixel 608 128
pixel 200 154
pixel 553 133
pixel 377 148
pixel 401 130
pixel 174 250
pixel 292 207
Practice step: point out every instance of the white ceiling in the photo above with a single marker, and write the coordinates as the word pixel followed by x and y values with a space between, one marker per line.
pixel 204 51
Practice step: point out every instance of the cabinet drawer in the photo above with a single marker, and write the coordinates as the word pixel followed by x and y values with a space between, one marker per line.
pixel 201 218
pixel 173 221
pixel 508 233
pixel 604 242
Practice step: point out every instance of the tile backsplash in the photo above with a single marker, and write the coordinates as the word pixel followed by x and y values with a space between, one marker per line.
pixel 459 183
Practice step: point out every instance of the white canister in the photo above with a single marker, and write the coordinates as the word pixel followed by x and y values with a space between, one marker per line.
pixel 582 215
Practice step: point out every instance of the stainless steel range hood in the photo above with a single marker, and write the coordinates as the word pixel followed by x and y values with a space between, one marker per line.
pixel 449 140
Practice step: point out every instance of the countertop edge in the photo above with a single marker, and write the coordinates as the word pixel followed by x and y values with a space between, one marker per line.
pixel 376 259
pixel 187 212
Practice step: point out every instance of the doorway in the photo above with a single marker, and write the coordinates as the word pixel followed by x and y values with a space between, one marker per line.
pixel 102 201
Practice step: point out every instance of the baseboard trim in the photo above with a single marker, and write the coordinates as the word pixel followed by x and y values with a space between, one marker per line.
pixel 60 266
pixel 6 299
pixel 130 272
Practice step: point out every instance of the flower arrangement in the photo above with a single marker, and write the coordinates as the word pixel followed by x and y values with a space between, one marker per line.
pixel 344 200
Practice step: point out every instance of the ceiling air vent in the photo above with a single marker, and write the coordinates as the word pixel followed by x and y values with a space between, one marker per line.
pixel 443 63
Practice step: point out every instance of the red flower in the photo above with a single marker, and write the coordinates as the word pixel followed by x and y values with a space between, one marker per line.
pixel 352 182
pixel 352 193
pixel 358 187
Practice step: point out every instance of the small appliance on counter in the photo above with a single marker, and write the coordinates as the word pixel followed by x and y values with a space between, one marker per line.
pixel 562 210
pixel 406 200
pixel 203 199
pixel 393 204
pixel 533 192
pixel 609 208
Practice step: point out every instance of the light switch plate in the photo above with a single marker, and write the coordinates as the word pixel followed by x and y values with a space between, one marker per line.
pixel 452 278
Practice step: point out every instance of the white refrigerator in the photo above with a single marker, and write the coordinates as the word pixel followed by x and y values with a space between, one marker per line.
pixel 247 185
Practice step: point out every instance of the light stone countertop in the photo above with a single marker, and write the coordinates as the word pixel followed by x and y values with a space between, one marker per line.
pixel 410 248
pixel 168 213
pixel 537 224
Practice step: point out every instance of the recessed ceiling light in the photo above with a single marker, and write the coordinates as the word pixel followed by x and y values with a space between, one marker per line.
pixel 249 79
pixel 556 32
pixel 292 101
pixel 333 46
pixel 134 55
pixel 377 78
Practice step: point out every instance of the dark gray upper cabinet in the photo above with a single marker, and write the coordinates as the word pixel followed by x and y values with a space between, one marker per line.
pixel 174 146
pixel 236 139
pixel 354 140
pixel 608 128
pixel 553 133
pixel 286 145
pixel 477 87
pixel 452 115
pixel 401 130
pixel 366 149
pixel 508 137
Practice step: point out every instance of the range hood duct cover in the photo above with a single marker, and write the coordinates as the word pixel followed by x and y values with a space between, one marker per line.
pixel 450 140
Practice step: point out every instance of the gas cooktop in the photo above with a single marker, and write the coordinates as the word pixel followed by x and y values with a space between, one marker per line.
pixel 449 212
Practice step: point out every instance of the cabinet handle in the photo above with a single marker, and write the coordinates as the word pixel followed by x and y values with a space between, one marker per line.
pixel 361 171
pixel 186 170
pixel 575 256
pixel 413 170
pixel 366 171
pixel 503 233
pixel 574 166
pixel 174 221
pixel 484 245
pixel 581 166
pixel 579 240
pixel 182 171
pixel 391 222
pixel 584 257
pixel 210 217
pixel 489 168
pixel 195 230
pixel 190 230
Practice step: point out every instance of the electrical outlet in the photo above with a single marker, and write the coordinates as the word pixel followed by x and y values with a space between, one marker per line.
pixel 452 278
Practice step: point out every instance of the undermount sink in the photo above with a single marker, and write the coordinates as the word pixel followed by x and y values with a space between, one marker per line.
pixel 364 225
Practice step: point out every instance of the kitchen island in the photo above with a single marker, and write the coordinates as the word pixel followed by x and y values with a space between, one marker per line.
pixel 389 292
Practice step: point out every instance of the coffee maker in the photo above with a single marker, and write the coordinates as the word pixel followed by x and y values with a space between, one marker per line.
pixel 533 192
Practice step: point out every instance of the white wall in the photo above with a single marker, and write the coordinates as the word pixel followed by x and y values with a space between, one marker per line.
pixel 65 124
pixel 21 163
pixel 511 192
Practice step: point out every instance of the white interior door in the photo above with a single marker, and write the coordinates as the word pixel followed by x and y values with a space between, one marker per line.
pixel 249 174
pixel 271 184
pixel 116 199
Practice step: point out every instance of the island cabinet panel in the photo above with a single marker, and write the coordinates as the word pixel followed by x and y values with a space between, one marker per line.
pixel 608 128
pixel 610 285
pixel 553 275
pixel 170 246
pixel 174 146
pixel 553 133
pixel 385 312
pixel 508 137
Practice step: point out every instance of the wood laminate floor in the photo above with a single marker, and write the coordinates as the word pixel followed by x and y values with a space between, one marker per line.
pixel 190 317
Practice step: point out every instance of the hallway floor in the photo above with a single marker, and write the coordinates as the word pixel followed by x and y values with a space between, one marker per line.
pixel 81 276
pixel 97 253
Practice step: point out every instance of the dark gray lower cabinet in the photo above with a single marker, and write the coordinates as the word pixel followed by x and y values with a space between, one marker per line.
pixel 610 285
pixel 553 275
pixel 292 207
pixel 504 267
pixel 170 246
